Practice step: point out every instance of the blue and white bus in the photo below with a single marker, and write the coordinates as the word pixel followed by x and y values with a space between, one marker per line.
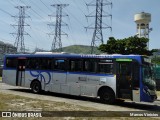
pixel 107 77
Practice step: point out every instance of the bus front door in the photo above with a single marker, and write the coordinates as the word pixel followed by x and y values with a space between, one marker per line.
pixel 20 77
pixel 124 80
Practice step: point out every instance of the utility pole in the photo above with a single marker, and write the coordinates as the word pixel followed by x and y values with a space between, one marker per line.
pixel 99 25
pixel 57 43
pixel 19 42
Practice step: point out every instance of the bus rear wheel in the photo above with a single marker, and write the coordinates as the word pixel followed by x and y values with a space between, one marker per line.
pixel 36 87
pixel 107 96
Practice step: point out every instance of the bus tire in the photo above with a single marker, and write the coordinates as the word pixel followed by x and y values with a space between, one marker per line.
pixel 107 96
pixel 36 87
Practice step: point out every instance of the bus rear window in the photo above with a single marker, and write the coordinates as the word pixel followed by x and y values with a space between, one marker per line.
pixel 11 62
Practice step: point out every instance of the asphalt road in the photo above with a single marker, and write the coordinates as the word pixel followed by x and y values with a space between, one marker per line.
pixel 82 101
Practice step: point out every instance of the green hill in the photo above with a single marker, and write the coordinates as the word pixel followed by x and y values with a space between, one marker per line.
pixel 79 49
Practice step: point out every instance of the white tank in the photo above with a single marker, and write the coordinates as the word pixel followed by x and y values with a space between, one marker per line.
pixel 142 18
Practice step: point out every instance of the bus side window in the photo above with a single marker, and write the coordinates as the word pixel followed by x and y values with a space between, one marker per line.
pixel 86 65
pixel 32 63
pixel 75 65
pixel 49 64
pixel 11 62
pixel 60 64
pixel 106 68
pixel 93 66
pixel 28 64
pixel 90 65
pixel 72 66
pixel 45 63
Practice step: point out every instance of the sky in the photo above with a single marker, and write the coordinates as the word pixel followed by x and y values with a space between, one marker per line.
pixel 122 22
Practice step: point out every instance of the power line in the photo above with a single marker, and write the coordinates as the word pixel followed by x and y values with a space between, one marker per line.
pixel 9 42
pixel 37 6
pixel 45 5
pixel 19 42
pixel 74 17
pixel 35 33
pixel 97 38
pixel 37 29
pixel 57 43
pixel 78 7
pixel 4 21
pixel 71 31
pixel 13 2
pixel 5 12
pixel 78 20
pixel 34 11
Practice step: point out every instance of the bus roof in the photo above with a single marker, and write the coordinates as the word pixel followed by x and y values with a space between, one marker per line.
pixel 70 55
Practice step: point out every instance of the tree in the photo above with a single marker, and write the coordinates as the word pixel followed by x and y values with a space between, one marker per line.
pixel 131 45
pixel 156 60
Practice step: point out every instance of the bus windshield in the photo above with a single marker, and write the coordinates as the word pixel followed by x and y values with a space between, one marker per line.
pixel 148 76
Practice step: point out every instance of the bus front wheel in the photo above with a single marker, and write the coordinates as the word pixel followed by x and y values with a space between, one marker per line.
pixel 107 96
pixel 36 87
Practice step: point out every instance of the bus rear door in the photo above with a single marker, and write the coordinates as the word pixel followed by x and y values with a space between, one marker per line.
pixel 20 76
pixel 124 73
pixel 128 79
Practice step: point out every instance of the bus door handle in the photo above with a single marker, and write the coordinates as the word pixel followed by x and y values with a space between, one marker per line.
pixel 76 82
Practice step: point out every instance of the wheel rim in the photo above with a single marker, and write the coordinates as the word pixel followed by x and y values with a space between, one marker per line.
pixel 35 87
pixel 106 96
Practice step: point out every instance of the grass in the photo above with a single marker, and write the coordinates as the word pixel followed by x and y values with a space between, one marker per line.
pixel 10 102
pixel 19 103
pixel 158 93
